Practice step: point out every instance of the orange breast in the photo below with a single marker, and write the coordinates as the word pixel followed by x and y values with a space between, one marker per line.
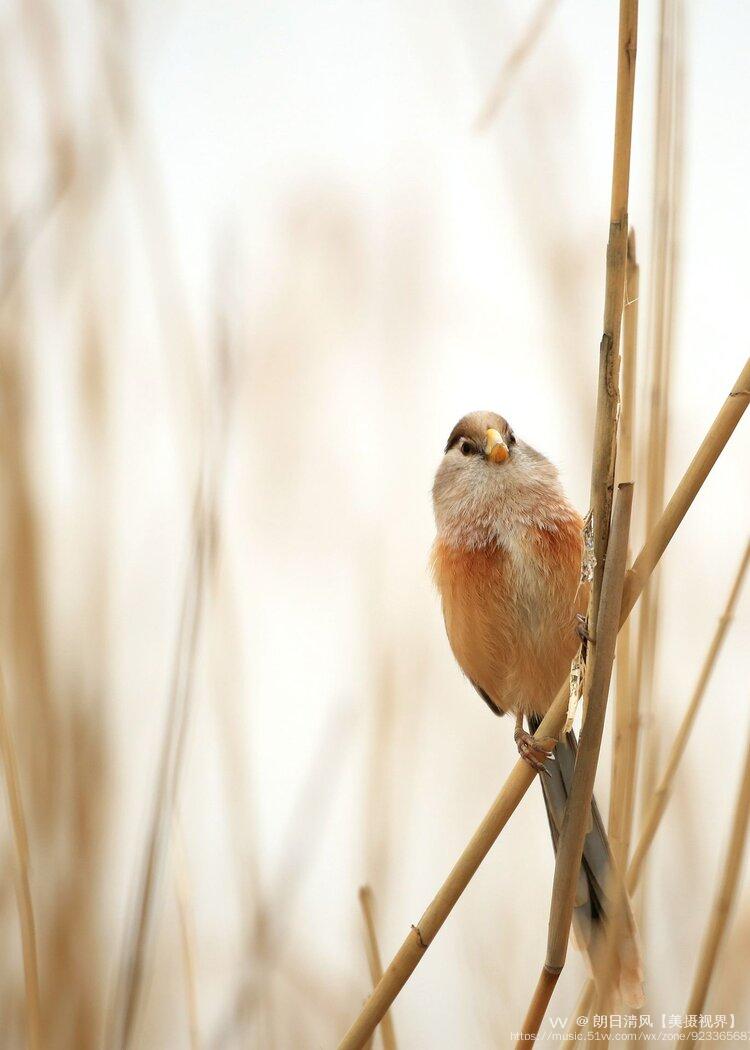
pixel 510 613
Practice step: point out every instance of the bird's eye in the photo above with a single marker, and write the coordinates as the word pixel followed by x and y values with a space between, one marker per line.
pixel 468 448
pixel 511 438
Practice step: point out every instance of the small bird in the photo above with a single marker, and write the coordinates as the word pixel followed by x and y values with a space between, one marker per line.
pixel 507 563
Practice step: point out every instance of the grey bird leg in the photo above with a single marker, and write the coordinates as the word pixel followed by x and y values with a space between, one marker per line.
pixel 535 752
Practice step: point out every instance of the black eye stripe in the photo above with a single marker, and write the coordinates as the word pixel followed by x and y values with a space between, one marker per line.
pixel 457 435
pixel 453 440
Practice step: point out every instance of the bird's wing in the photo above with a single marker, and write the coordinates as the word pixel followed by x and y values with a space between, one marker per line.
pixel 488 700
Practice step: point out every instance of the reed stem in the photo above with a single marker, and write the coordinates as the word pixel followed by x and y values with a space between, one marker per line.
pixel 407 958
pixel 608 399
pixel 538 1005
pixel 661 796
pixel 577 811
pixel 626 697
pixel 21 872
pixel 700 467
pixel 367 903
pixel 604 604
pixel 662 793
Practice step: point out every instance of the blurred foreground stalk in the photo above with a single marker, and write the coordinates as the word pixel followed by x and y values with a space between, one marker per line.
pixel 367 902
pixel 21 873
pixel 138 936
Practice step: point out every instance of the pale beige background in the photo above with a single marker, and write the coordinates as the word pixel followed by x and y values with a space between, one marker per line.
pixel 386 269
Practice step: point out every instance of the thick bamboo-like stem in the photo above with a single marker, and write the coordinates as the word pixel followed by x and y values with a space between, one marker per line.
pixel 599 662
pixel 605 428
pixel 662 794
pixel 578 809
pixel 410 953
pixel 626 698
pixel 725 897
pixel 21 873
pixel 367 903
pixel 545 986
pixel 629 362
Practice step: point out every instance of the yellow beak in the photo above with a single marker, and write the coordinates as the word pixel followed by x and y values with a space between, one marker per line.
pixel 495 448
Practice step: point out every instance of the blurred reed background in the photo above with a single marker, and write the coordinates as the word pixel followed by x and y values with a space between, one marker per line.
pixel 256 261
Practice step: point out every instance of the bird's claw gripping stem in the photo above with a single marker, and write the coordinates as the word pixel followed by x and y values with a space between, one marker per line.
pixel 534 751
pixel 582 628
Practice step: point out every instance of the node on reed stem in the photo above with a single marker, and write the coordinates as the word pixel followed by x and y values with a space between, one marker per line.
pixel 626 697
pixel 519 780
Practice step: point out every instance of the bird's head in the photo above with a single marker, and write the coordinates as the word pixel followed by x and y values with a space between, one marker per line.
pixel 490 481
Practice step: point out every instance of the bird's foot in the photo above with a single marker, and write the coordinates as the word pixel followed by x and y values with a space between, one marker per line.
pixel 534 751
pixel 582 628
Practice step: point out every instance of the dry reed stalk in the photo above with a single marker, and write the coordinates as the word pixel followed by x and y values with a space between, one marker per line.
pixel 58 724
pixel 626 697
pixel 21 621
pixel 578 808
pixel 188 938
pixel 42 25
pixel 378 803
pixel 316 991
pixel 666 211
pixel 303 832
pixel 626 431
pixel 607 403
pixel 230 701
pixel 513 63
pixel 725 897
pixel 599 661
pixel 25 642
pixel 521 776
pixel 323 995
pixel 165 795
pixel 21 873
pixel 663 791
pixel 545 986
pixel 583 1006
pixel 700 467
pixel 171 300
pixel 731 979
pixel 661 795
pixel 80 173
pixel 203 556
pixel 367 903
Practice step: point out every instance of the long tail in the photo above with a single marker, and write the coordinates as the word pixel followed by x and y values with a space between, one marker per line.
pixel 598 887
